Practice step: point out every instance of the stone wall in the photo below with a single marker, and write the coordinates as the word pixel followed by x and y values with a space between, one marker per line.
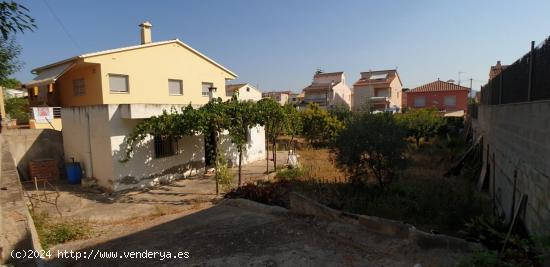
pixel 516 141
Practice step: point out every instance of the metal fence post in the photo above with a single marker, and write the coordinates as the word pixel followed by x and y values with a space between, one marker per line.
pixel 500 80
pixel 531 65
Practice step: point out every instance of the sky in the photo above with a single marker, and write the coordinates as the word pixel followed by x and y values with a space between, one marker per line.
pixel 278 45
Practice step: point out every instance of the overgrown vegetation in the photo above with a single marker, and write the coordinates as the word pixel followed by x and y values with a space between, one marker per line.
pixel 319 127
pixel 17 108
pixel 371 145
pixel 421 123
pixel 56 231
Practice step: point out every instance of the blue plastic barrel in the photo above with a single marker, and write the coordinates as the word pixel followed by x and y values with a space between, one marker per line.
pixel 74 172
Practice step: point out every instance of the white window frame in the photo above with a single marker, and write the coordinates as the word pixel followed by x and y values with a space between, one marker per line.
pixel 207 93
pixel 417 98
pixel 445 101
pixel 120 76
pixel 180 85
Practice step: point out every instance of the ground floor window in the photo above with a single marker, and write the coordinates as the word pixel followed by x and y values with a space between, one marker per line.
pixel 419 101
pixel 165 146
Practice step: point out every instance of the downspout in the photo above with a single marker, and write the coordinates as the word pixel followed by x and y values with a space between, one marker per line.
pixel 88 151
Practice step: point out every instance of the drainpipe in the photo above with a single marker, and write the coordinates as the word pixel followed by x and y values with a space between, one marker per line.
pixel 88 148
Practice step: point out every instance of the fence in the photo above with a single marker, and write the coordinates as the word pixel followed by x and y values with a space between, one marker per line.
pixel 527 79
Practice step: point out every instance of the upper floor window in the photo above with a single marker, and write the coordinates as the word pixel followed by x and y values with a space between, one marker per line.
pixel 450 100
pixel 206 88
pixel 118 83
pixel 419 101
pixel 175 87
pixel 78 87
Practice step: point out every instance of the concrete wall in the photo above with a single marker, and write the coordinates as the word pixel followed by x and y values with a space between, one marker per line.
pixel 517 146
pixel 94 136
pixel 144 169
pixel 31 144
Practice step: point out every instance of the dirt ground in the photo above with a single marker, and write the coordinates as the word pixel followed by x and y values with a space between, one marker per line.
pixel 186 216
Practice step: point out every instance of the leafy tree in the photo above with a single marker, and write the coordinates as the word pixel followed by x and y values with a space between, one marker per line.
pixel 421 123
pixel 294 123
pixel 10 83
pixel 371 143
pixel 319 126
pixel 242 117
pixel 341 113
pixel 17 108
pixel 272 117
pixel 9 64
pixel 14 17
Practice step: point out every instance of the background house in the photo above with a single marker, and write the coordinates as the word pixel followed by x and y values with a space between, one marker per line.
pixel 281 97
pixel 327 90
pixel 447 97
pixel 255 147
pixel 104 95
pixel 378 90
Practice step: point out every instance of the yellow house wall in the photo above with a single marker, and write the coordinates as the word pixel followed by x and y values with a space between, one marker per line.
pixel 91 73
pixel 149 69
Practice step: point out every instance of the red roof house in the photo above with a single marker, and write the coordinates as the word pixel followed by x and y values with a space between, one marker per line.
pixel 447 97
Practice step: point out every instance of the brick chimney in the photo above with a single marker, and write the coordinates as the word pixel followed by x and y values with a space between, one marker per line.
pixel 146 32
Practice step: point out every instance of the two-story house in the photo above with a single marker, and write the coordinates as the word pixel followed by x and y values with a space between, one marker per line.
pixel 449 98
pixel 378 90
pixel 105 94
pixel 328 90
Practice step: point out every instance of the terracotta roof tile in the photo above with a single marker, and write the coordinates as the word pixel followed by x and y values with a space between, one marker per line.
pixel 438 86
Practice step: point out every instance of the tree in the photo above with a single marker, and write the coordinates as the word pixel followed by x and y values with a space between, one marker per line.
pixel 319 127
pixel 272 117
pixel 17 108
pixel 9 64
pixel 421 123
pixel 371 144
pixel 341 113
pixel 242 117
pixel 294 124
pixel 14 18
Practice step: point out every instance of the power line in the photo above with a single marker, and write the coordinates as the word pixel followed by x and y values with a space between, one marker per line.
pixel 63 27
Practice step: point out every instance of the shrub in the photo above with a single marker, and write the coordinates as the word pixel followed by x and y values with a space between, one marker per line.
pixel 421 123
pixel 17 108
pixel 268 193
pixel 371 144
pixel 318 126
pixel 290 173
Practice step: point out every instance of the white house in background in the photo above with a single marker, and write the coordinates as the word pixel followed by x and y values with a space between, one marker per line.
pixel 104 95
pixel 255 148
pixel 328 90
pixel 378 90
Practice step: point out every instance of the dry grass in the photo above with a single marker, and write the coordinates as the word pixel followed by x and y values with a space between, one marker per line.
pixel 319 164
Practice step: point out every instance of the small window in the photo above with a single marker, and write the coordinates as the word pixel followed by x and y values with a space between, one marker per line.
pixel 206 88
pixel 248 89
pixel 419 101
pixel 450 100
pixel 78 87
pixel 175 87
pixel 165 146
pixel 118 83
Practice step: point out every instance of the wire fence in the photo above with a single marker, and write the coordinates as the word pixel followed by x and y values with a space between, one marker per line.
pixel 527 79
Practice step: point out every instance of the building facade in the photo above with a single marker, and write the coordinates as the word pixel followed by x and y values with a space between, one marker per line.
pixel 449 98
pixel 328 90
pixel 104 95
pixel 378 90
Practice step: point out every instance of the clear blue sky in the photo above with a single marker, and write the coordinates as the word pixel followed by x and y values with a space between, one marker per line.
pixel 279 44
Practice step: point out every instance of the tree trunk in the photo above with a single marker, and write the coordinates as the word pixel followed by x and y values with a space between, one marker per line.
pixel 240 164
pixel 266 151
pixel 216 162
pixel 417 142
pixel 274 150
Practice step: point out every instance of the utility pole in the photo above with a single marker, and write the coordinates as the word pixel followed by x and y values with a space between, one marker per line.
pixel 459 73
pixel 471 91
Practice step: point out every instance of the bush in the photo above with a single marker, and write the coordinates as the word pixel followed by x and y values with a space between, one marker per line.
pixel 371 144
pixel 18 108
pixel 290 173
pixel 318 126
pixel 421 123
pixel 267 193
